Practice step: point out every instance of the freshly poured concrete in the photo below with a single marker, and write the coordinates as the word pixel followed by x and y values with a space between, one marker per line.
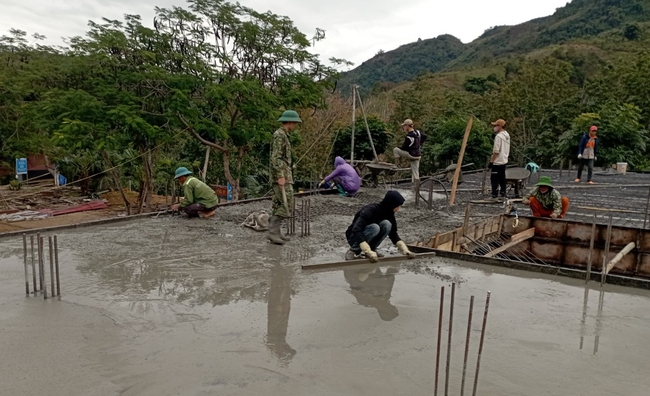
pixel 177 307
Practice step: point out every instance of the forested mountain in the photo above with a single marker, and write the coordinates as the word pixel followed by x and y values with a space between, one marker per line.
pixel 577 20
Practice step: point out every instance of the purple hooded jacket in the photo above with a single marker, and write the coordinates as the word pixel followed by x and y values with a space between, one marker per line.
pixel 350 181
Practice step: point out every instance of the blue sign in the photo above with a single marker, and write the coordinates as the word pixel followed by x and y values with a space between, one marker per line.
pixel 62 180
pixel 21 166
pixel 229 192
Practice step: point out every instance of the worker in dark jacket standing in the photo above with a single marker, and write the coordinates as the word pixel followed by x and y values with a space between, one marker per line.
pixel 410 150
pixel 371 225
pixel 281 176
pixel 587 154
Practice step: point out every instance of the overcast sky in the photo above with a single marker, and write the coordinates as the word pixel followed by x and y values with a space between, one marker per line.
pixel 355 30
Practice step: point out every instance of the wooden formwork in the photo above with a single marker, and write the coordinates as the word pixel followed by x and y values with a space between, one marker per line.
pixel 562 243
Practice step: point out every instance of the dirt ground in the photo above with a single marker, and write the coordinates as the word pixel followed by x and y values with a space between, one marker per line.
pixel 171 306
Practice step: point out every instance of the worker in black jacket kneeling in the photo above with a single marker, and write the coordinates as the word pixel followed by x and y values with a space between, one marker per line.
pixel 370 227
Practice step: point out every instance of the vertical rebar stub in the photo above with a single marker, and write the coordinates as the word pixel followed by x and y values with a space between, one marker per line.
pixel 56 265
pixel 25 263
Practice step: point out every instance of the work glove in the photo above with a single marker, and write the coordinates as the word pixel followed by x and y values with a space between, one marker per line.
pixel 579 156
pixel 365 248
pixel 401 246
pixel 595 158
pixel 321 183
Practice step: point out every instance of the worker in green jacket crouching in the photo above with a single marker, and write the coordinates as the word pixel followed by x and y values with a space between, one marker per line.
pixel 199 199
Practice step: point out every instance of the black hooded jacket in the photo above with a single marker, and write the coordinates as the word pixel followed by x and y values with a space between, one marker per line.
pixel 375 214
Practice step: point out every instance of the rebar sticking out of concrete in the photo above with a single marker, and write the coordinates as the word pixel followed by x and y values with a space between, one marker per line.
pixel 451 323
pixel 302 218
pixel 442 307
pixel 50 245
pixel 480 346
pixel 56 266
pixel 608 241
pixel 41 262
pixel 469 332
pixel 591 250
pixel 31 240
pixel 25 262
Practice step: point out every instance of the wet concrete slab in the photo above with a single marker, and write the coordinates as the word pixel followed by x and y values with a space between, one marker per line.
pixel 169 306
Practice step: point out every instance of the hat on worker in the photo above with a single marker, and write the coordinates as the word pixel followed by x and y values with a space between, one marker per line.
pixel 500 122
pixel 544 181
pixel 289 116
pixel 408 122
pixel 182 171
pixel 593 128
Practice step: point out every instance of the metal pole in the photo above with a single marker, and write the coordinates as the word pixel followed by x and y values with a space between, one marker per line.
pixel 469 332
pixel 40 256
pixel 354 119
pixel 50 245
pixel 365 119
pixel 451 322
pixel 608 240
pixel 583 320
pixel 42 262
pixel 591 250
pixel 442 307
pixel 480 346
pixel 56 263
pixel 25 262
pixel 293 216
pixel 647 209
pixel 430 193
pixel 302 217
pixel 31 240
pixel 309 216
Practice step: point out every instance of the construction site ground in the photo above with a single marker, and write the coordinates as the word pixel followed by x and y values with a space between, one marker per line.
pixel 173 306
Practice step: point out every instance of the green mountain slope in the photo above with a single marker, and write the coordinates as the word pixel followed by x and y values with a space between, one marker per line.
pixel 579 19
pixel 405 62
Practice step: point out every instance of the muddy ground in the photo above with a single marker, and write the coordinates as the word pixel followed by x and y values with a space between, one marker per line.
pixel 171 306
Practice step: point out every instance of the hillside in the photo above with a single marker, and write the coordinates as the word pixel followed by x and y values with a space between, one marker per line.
pixel 577 20
pixel 405 62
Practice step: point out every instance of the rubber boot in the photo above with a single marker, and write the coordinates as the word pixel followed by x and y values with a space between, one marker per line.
pixel 274 231
pixel 285 237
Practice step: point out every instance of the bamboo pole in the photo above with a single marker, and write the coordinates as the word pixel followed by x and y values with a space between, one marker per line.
pixel 460 160
pixel 591 250
pixel 365 120
pixel 354 119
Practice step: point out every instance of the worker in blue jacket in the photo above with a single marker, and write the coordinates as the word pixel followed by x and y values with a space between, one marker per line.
pixel 587 154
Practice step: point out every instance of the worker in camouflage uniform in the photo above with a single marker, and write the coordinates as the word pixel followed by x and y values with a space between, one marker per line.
pixel 545 201
pixel 281 176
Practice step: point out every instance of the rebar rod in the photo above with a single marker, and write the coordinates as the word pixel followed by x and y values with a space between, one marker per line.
pixel 450 332
pixel 38 250
pixel 50 245
pixel 467 338
pixel 42 264
pixel 442 308
pixel 56 263
pixel 591 250
pixel 480 345
pixel 608 241
pixel 31 241
pixel 647 209
pixel 25 262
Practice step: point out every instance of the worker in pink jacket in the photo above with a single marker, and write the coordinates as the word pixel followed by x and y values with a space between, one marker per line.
pixel 345 177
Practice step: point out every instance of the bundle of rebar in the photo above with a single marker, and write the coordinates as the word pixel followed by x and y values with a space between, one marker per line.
pixel 39 258
pixel 467 342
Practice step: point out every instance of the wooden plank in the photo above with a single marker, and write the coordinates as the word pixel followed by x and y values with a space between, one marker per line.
pixel 381 260
pixel 517 238
pixel 459 164
pixel 529 233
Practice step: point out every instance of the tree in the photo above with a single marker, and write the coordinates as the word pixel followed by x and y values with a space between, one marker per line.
pixel 241 69
pixel 444 141
pixel 632 32
pixel 621 137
